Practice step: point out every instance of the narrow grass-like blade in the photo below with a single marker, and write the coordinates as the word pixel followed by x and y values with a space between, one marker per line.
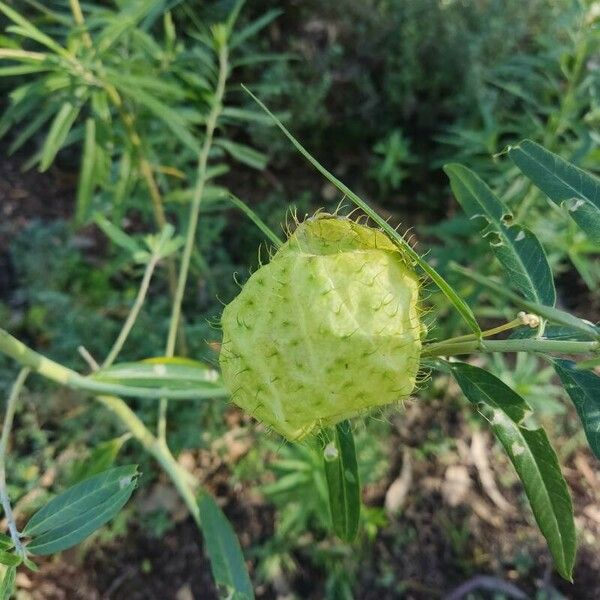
pixel 461 306
pixel 86 173
pixel 162 373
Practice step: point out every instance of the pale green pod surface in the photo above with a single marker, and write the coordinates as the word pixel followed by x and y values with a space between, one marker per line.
pixel 329 329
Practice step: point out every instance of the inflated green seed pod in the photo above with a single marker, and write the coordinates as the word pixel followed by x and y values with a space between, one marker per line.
pixel 327 330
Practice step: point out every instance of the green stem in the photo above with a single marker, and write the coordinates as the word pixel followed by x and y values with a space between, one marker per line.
pixel 211 124
pixel 472 336
pixel 54 371
pixel 133 313
pixel 157 449
pixel 6 429
pixel 526 345
pixel 80 21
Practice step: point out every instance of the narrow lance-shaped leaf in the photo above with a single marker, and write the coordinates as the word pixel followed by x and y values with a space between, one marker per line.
pixel 532 456
pixel 564 183
pixel 343 484
pixel 7 583
pixel 461 306
pixel 224 551
pixel 78 529
pixel 163 372
pixel 517 249
pixel 9 559
pixel 5 541
pixel 86 172
pixel 583 388
pixel 61 125
pixel 81 499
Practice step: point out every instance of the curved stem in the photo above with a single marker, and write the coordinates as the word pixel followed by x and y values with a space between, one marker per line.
pixel 526 345
pixel 6 429
pixel 58 373
pixel 133 313
pixel 472 336
pixel 157 449
pixel 211 124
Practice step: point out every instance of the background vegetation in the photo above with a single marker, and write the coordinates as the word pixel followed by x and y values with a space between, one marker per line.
pixel 383 93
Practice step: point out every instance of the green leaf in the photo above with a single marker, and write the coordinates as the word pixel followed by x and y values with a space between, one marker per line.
pixel 269 233
pixel 517 249
pixel 61 125
pixel 5 541
pixel 34 125
pixel 343 484
pixel 7 584
pixel 169 116
pixel 586 215
pixel 461 306
pixel 82 499
pixel 162 372
pixel 27 29
pixel 244 154
pixel 80 528
pixel 86 172
pixel 116 235
pixel 583 387
pixel 10 560
pixel 246 116
pixel 532 456
pixel 253 28
pixel 101 459
pixel 562 182
pixel 224 551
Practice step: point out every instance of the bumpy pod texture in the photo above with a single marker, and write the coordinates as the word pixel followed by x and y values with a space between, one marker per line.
pixel 327 330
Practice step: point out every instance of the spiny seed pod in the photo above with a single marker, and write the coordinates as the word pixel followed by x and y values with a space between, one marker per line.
pixel 327 330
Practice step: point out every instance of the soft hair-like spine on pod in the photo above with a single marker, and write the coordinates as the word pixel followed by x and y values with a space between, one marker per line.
pixel 329 329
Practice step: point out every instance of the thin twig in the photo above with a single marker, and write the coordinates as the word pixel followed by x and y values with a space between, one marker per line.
pixel 211 124
pixel 6 429
pixel 133 313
